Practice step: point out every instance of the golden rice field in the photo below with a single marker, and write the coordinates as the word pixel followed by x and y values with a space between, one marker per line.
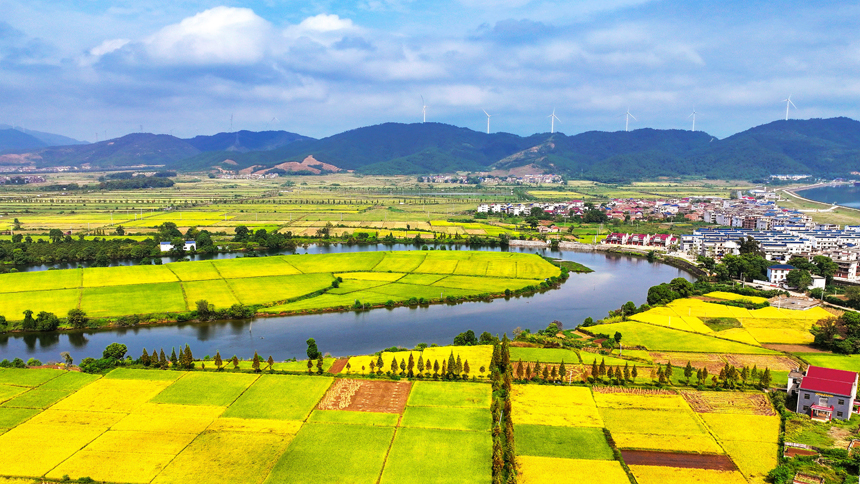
pixel 562 406
pixel 755 327
pixel 284 284
pixel 675 475
pixel 549 470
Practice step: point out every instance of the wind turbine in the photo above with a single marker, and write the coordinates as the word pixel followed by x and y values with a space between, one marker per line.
pixel 424 110
pixel 787 104
pixel 694 118
pixel 627 122
pixel 553 118
pixel 488 120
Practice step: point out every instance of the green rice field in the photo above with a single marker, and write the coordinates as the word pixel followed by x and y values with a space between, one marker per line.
pixel 281 284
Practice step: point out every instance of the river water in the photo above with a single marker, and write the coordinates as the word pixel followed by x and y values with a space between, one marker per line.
pixel 845 195
pixel 616 280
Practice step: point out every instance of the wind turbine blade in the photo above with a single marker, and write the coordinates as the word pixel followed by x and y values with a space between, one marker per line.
pixel 795 107
pixel 634 118
pixel 485 112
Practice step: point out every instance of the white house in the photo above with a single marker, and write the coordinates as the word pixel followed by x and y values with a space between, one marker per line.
pixel 167 246
pixel 776 274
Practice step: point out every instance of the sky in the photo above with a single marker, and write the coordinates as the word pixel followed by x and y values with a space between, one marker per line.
pixel 91 69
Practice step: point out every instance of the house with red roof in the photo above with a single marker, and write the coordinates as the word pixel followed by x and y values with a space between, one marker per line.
pixel 825 393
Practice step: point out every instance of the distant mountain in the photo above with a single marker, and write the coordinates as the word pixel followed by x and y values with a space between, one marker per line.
pixel 822 147
pixel 244 141
pixel 12 139
pixel 49 139
pixel 132 149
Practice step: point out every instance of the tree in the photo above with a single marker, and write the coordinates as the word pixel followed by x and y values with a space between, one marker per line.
pixel 669 371
pixel 115 350
pixel 634 373
pixel 420 364
pixel 119 230
pixel 410 365
pixel 144 358
pixel 626 371
pixel 749 245
pixel 320 364
pixel 67 359
pixel 310 366
pixel 617 337
pixel 595 371
pixel 537 369
pixel 403 366
pixel 519 369
pixel 466 338
pixel 202 309
pixel 466 368
pixel 188 362
pixel 435 367
pixel 545 374
pixel 235 362
pixel 393 365
pixel 218 362
pixel 46 321
pixel 452 364
pixel 798 279
pixel 765 378
pixel 174 361
pixel 562 370
pixel 255 364
pixel 688 372
pixel 162 360
pixel 29 324
pixel 271 363
pixel 56 235
pixel 313 352
pixel 77 318
pixel 601 370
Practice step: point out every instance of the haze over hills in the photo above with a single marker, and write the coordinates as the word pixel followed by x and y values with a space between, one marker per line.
pixel 43 139
pixel 817 146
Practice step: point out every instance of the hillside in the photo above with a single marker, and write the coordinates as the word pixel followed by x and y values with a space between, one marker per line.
pixel 822 147
pixel 47 139
pixel 12 139
pixel 244 141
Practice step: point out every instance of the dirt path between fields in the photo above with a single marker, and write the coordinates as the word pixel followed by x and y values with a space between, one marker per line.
pixel 338 366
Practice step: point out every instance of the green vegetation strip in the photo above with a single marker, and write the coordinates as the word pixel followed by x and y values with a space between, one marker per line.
pixel 563 442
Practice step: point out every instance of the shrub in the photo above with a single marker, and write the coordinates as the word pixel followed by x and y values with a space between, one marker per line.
pixel 18 363
pixel 5 363
pixel 115 351
pixel 34 362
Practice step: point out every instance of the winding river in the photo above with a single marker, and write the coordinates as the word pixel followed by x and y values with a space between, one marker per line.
pixel 616 279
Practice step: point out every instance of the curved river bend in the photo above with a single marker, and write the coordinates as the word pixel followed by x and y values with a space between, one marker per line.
pixel 616 280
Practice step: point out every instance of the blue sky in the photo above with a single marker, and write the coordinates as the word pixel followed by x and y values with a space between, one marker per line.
pixel 318 68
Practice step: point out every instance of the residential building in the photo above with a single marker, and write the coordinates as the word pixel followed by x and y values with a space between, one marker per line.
pixel 825 393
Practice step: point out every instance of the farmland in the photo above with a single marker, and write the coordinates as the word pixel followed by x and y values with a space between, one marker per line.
pixel 282 284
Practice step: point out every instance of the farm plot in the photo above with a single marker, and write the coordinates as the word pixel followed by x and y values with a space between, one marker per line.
pixel 429 456
pixel 303 461
pixel 677 475
pixel 205 389
pixel 442 394
pixel 254 267
pixel 828 360
pixel 27 378
pixel 750 440
pixel 256 290
pixel 556 406
pixel 354 418
pixel 51 392
pixel 657 338
pixel 729 296
pixel 713 362
pixel 366 396
pixel 137 299
pixel 241 457
pixel 40 281
pixel 124 275
pixel 483 284
pixel 349 262
pixel 215 292
pixel 112 395
pixel 280 397
pixel 477 356
pixel 549 470
pixel 371 276
pixel 399 262
pixel 729 402
pixel 449 418
pixel 57 301
pixel 562 442
pixel 198 271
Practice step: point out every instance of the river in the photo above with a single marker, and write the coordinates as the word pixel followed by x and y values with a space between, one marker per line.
pixel 845 195
pixel 616 280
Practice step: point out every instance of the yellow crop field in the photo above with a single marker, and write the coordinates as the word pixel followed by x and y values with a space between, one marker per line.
pixel 112 395
pixel 661 422
pixel 738 334
pixel 112 466
pixel 747 428
pixel 54 416
pixel 781 336
pixel 702 444
pixel 675 475
pixel 18 459
pixel 170 418
pixel 258 425
pixel 477 356
pixel 123 275
pixel 240 457
pixel 372 276
pixel 121 441
pixel 557 406
pixel 552 470
pixel 634 400
pixel 754 459
pixel 730 296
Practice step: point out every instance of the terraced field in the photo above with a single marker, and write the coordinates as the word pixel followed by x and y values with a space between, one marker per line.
pixel 283 284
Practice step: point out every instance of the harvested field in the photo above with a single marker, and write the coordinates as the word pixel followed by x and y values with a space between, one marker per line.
pixel 635 391
pixel 676 459
pixel 775 363
pixel 729 402
pixel 711 361
pixel 366 396
pixel 338 366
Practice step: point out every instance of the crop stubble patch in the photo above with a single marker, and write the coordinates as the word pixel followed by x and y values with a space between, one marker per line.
pixel 676 459
pixel 367 396
pixel 742 403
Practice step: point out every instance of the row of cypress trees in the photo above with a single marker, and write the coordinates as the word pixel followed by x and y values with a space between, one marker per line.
pixel 504 447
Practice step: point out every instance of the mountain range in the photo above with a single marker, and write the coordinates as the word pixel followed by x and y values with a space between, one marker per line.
pixel 820 147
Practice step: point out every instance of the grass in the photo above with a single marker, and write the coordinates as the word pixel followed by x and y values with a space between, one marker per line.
pixel 240 457
pixel 206 389
pixel 123 275
pixel 443 394
pixel 308 458
pixel 354 418
pixel 147 375
pixel 215 292
pixel 258 290
pixel 722 324
pixel 69 381
pixel 657 338
pixel 552 470
pixel 12 417
pixel 429 456
pixel 199 271
pixel 254 267
pixel 562 442
pixel 9 391
pixel 451 418
pixel 280 397
pixel 36 398
pixel 544 355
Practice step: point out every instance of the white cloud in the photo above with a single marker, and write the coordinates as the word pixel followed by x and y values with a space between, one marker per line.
pixel 221 35
pixel 325 23
pixel 108 46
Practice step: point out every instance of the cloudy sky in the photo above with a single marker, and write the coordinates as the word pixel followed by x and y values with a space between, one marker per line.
pixel 320 67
